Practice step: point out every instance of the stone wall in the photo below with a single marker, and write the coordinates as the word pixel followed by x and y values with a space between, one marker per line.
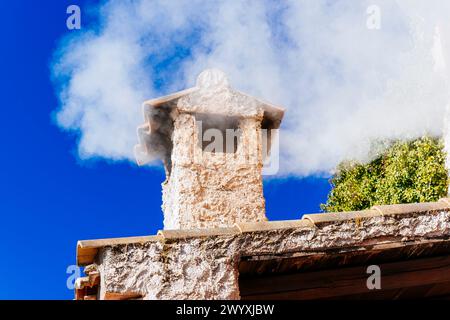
pixel 203 264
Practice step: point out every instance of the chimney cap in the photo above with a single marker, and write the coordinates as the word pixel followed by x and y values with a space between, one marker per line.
pixel 210 83
pixel 211 95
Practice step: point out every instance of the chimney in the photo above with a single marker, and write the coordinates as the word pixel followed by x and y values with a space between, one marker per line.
pixel 213 141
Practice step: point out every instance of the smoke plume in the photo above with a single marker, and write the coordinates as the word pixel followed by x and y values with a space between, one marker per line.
pixel 343 79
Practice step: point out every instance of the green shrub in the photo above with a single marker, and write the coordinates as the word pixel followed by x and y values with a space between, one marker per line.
pixel 405 172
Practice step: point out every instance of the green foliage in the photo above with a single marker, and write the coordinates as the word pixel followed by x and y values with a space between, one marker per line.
pixel 412 171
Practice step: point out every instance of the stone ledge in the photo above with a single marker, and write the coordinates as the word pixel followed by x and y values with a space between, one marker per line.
pixel 411 208
pixel 445 201
pixel 197 233
pixel 273 225
pixel 87 250
pixel 319 219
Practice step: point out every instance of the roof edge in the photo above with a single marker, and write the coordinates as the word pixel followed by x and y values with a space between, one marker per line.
pixel 157 102
pixel 87 249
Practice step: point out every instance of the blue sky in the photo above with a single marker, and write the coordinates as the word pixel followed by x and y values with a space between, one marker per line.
pixel 49 198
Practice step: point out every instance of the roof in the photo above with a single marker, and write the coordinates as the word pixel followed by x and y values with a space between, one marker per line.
pixel 87 250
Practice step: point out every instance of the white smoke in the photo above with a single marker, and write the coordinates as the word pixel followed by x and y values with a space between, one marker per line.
pixel 342 83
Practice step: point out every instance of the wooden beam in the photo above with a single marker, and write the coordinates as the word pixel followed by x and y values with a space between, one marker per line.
pixel 348 281
pixel 337 258
pixel 122 296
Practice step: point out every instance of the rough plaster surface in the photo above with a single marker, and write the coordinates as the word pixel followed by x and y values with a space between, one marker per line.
pixel 207 267
pixel 205 189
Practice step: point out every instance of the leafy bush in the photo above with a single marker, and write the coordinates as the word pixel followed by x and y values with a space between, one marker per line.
pixel 411 171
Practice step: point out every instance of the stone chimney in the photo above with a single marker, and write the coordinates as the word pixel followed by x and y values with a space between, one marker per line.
pixel 213 141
